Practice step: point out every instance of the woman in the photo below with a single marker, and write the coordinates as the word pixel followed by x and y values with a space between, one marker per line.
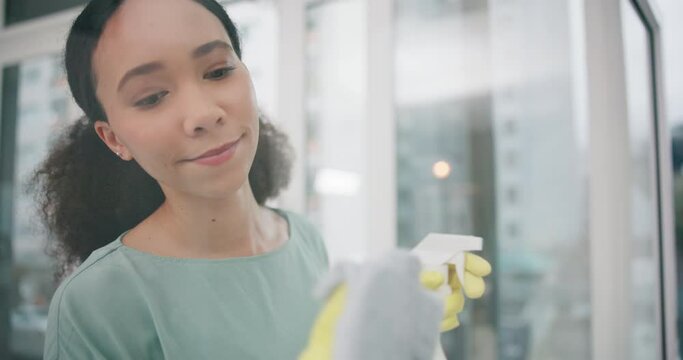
pixel 173 162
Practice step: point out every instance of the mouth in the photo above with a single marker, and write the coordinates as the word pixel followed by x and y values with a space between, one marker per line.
pixel 216 152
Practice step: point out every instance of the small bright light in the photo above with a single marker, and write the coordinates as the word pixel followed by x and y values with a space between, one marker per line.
pixel 441 169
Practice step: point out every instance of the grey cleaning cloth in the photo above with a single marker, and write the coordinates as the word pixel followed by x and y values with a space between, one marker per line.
pixel 388 313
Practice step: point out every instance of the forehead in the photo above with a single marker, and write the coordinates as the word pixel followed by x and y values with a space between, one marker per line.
pixel 153 30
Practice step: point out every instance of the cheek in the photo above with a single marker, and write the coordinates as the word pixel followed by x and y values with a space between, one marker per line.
pixel 241 95
pixel 150 146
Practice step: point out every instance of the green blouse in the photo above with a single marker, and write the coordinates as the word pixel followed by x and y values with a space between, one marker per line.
pixel 122 303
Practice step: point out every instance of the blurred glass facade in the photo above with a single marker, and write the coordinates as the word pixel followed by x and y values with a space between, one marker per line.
pixel 44 107
pixel 491 89
pixel 335 123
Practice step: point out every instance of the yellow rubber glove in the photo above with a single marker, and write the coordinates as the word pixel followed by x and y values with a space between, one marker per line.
pixel 476 268
pixel 322 335
pixel 321 340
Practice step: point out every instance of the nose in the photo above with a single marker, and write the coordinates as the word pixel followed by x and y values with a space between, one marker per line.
pixel 200 112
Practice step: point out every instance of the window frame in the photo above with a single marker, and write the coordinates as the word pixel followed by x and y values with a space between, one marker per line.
pixel 609 222
pixel 651 17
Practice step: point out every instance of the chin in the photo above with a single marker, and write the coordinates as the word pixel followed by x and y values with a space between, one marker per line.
pixel 224 189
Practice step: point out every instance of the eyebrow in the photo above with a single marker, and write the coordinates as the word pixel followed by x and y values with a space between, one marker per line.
pixel 151 67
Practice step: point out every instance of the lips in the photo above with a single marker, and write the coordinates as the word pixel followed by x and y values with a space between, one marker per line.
pixel 215 151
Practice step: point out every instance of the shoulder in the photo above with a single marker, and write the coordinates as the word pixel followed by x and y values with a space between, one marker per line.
pixel 97 296
pixel 310 235
pixel 300 222
pixel 102 270
pixel 103 278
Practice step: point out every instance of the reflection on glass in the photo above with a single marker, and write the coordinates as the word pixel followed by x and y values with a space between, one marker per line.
pixel 644 312
pixel 335 119
pixel 503 116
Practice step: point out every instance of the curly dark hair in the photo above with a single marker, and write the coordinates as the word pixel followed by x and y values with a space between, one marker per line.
pixel 86 195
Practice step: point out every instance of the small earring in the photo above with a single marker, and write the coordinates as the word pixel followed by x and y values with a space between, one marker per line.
pixel 118 154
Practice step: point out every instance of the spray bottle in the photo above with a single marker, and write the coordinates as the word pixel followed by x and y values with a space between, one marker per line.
pixel 436 252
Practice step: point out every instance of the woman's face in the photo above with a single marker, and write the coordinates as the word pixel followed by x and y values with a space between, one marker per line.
pixel 173 88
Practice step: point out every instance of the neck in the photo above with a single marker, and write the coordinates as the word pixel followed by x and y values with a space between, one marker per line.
pixel 201 227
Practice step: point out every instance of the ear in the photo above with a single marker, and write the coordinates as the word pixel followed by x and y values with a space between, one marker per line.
pixel 108 136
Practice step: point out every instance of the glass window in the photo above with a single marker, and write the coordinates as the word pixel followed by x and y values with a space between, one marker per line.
pixel 44 106
pixel 644 204
pixel 335 118
pixel 490 89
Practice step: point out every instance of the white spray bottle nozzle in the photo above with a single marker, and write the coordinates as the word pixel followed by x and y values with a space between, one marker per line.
pixel 440 249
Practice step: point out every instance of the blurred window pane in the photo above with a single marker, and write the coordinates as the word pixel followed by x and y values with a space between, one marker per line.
pixel 490 88
pixel 44 107
pixel 335 118
pixel 644 204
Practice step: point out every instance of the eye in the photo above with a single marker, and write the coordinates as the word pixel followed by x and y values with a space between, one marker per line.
pixel 219 73
pixel 151 100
